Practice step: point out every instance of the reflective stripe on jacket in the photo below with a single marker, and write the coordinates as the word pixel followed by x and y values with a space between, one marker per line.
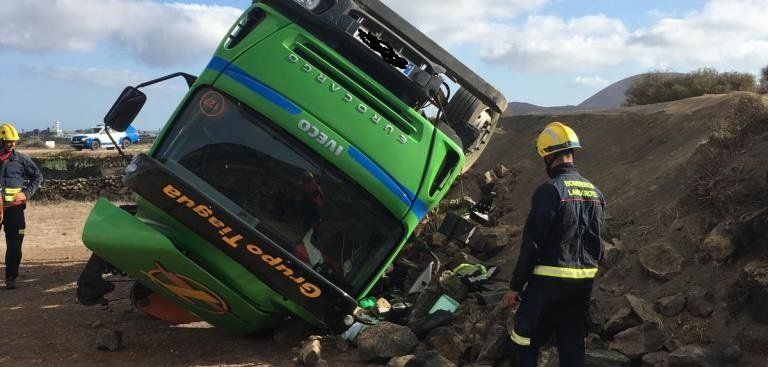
pixel 20 174
pixel 562 235
pixel 9 194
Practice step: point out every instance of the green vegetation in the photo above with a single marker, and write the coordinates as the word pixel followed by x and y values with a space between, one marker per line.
pixel 660 86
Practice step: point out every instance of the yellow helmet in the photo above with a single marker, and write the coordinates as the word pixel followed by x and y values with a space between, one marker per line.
pixel 556 137
pixel 8 132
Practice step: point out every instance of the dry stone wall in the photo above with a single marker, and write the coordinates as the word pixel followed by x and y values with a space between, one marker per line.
pixel 81 178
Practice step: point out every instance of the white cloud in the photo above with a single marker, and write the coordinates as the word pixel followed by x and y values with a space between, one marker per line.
pixel 591 81
pixel 726 34
pixel 450 22
pixel 547 43
pixel 155 33
pixel 98 76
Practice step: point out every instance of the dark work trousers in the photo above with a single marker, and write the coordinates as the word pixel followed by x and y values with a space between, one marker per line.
pixel 13 224
pixel 553 306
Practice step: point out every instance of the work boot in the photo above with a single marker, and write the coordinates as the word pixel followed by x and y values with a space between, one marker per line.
pixel 10 284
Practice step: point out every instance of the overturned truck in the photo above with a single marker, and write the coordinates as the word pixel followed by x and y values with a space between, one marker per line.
pixel 293 171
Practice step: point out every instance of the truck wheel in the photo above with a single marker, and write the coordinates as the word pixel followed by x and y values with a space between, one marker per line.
pixel 95 145
pixel 449 131
pixel 473 121
pixel 125 143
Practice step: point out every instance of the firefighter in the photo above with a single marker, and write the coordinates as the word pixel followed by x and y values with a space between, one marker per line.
pixel 19 179
pixel 561 246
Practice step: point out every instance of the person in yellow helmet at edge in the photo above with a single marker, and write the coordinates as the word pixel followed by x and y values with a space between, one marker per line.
pixel 561 246
pixel 19 179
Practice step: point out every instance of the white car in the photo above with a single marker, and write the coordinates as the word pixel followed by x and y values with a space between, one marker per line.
pixel 96 137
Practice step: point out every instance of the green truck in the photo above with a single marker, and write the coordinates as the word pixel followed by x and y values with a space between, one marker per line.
pixel 293 171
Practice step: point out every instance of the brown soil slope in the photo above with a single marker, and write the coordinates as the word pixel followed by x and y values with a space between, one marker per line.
pixel 671 173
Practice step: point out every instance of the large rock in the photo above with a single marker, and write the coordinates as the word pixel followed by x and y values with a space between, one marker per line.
pixel 430 358
pixel 401 361
pixel 606 358
pixel 310 353
pixel 453 286
pixel 671 305
pixel 754 275
pixel 611 252
pixel 655 359
pixel 661 261
pixel 446 341
pixel 622 320
pixel 639 340
pixel 385 340
pixel 598 315
pixel 700 302
pixel 494 344
pixel 718 244
pixel 692 355
pixel 498 237
pixel 643 309
pixel 109 340
pixel 594 341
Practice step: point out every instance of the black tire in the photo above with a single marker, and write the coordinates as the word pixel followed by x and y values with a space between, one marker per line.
pixel 95 145
pixel 447 130
pixel 125 143
pixel 473 121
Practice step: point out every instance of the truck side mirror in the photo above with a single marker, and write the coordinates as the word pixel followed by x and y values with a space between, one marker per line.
pixel 125 109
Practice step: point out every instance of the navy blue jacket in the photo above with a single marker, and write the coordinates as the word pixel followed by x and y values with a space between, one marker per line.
pixel 19 172
pixel 562 235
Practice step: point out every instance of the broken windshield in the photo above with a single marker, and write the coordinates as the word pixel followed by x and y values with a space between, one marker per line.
pixel 281 188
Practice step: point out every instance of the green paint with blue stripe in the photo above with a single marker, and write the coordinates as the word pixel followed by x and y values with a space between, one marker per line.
pixel 327 106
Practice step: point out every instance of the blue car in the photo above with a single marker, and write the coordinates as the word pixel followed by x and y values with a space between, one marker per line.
pixel 96 137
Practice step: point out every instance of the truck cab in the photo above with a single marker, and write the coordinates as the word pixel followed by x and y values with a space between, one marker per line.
pixel 96 137
pixel 296 167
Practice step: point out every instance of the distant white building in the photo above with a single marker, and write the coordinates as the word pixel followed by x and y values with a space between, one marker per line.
pixel 57 129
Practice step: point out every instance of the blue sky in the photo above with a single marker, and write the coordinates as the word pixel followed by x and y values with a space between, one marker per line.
pixel 68 59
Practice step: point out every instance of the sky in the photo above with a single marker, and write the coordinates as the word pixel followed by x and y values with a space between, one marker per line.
pixel 67 60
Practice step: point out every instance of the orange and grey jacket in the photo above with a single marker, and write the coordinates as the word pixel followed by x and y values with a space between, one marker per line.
pixel 561 238
pixel 19 173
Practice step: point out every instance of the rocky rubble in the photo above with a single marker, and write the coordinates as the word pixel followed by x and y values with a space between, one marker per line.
pixel 630 327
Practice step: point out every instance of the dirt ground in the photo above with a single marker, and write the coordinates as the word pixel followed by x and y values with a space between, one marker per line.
pixel 44 326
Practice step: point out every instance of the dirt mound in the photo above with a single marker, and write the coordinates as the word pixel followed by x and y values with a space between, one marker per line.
pixel 688 176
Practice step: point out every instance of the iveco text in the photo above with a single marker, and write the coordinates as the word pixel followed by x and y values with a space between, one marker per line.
pixel 320 137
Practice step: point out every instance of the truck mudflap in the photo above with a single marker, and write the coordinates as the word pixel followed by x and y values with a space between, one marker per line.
pixel 274 266
pixel 151 258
